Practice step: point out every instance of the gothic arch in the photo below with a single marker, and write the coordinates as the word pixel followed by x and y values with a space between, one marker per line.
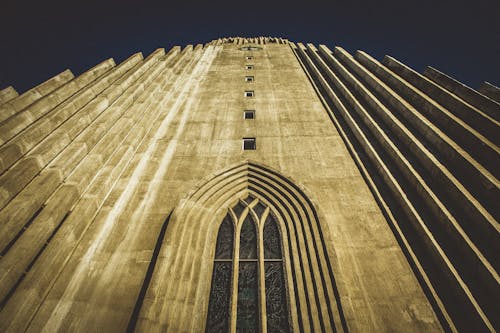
pixel 189 248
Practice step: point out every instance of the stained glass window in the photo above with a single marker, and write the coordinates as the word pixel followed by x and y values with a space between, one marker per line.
pixel 276 306
pixel 276 309
pixel 220 295
pixel 247 318
pixel 249 313
pixel 238 209
pixel 224 249
pixel 220 298
pixel 249 199
pixel 248 239
pixel 259 209
pixel 272 243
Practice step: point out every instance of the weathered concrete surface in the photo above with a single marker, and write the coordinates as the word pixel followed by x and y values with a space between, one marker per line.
pixel 18 103
pixel 417 205
pixel 491 107
pixel 81 229
pixel 7 94
pixel 490 90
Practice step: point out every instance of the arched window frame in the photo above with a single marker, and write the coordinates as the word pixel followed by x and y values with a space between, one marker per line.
pixel 259 224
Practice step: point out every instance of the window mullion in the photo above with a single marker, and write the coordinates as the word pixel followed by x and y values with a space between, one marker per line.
pixel 236 262
pixel 262 277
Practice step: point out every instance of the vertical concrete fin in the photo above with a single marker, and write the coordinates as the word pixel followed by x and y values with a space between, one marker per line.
pixel 474 117
pixel 89 170
pixel 445 192
pixel 369 108
pixel 301 46
pixel 18 122
pixel 97 173
pixel 64 122
pixel 173 51
pixel 96 126
pixel 311 47
pixel 489 106
pixel 490 91
pixel 188 48
pixel 334 93
pixel 47 137
pixel 22 101
pixel 434 124
pixel 156 53
pixel 7 94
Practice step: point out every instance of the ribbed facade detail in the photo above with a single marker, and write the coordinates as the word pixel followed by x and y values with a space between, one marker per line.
pixel 428 146
pixel 382 180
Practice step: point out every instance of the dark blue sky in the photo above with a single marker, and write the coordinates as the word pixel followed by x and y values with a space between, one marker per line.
pixel 42 38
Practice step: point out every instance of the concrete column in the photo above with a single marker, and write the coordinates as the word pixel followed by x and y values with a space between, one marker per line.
pixel 477 253
pixel 54 125
pixel 14 217
pixel 15 124
pixel 20 102
pixel 469 95
pixel 475 258
pixel 140 131
pixel 490 91
pixel 342 103
pixel 463 166
pixel 474 117
pixel 7 94
pixel 117 155
pixel 56 139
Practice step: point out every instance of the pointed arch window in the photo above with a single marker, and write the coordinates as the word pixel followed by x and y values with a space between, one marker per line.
pixel 248 294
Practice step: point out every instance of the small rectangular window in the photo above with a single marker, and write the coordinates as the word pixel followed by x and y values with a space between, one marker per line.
pixel 248 78
pixel 248 66
pixel 248 57
pixel 249 144
pixel 249 93
pixel 249 114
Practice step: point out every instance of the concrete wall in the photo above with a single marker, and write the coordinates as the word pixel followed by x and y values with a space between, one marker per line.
pixel 90 180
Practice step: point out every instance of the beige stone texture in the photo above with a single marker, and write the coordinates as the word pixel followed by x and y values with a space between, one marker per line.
pixel 93 169
pixel 7 94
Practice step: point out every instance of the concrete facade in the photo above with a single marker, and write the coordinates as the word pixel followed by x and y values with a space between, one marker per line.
pixel 114 183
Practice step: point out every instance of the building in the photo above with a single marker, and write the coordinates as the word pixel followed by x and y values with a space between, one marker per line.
pixel 250 184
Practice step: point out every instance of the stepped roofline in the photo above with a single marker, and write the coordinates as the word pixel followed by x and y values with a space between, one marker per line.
pixel 250 40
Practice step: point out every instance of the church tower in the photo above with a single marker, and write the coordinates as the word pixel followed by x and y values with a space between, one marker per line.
pixel 250 185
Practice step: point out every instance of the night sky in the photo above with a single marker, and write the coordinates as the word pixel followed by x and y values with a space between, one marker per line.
pixel 40 39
